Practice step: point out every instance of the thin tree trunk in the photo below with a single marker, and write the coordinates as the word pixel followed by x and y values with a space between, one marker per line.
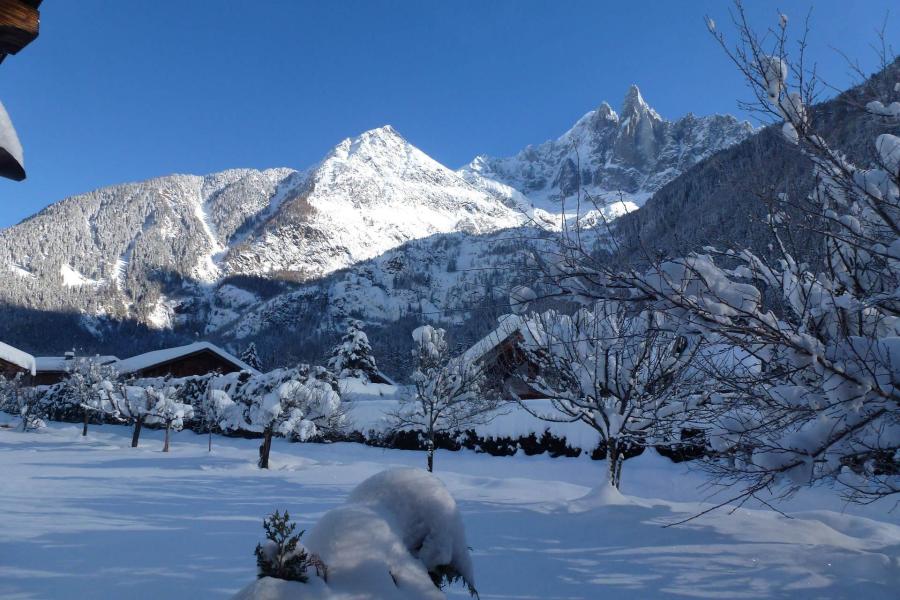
pixel 209 440
pixel 138 423
pixel 166 443
pixel 265 448
pixel 614 460
pixel 84 422
pixel 430 451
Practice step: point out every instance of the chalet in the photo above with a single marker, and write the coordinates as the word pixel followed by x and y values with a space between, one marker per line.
pixel 14 361
pixel 53 369
pixel 198 358
pixel 500 356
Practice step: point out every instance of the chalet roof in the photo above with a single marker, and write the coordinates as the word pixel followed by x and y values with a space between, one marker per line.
pixel 508 324
pixel 56 364
pixel 20 358
pixel 159 357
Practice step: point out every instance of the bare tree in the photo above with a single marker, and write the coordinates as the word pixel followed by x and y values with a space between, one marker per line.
pixel 448 394
pixel 88 386
pixel 804 387
pixel 621 374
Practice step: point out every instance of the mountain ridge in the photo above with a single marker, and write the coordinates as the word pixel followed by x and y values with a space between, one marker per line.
pixel 377 230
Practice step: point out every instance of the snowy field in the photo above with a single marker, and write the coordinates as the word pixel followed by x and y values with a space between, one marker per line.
pixel 94 518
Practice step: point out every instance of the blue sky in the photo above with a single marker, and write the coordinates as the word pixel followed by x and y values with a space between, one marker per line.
pixel 116 91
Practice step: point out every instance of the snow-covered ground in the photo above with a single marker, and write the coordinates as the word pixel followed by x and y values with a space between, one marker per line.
pixel 93 518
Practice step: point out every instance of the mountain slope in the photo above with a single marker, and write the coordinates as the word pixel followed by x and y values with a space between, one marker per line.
pixel 717 202
pixel 370 194
pixel 377 230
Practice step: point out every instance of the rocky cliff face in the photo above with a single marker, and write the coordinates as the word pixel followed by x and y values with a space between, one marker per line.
pixel 623 156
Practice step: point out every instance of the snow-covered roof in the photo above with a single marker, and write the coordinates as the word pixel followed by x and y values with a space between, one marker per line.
pixel 158 357
pixel 507 326
pixel 20 358
pixel 60 363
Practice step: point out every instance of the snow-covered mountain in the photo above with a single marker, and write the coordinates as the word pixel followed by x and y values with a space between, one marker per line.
pixel 614 156
pixel 377 230
pixel 370 194
pixel 139 250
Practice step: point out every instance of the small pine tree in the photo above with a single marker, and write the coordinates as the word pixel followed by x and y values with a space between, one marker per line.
pixel 251 357
pixel 352 357
pixel 282 556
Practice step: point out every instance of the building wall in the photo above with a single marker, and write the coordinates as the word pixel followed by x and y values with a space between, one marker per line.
pixel 199 363
pixel 10 370
pixel 49 377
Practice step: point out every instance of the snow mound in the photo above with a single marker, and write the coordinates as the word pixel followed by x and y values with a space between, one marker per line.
pixel 396 528
pixel 604 495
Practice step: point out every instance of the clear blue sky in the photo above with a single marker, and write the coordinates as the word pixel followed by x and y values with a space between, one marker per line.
pixel 116 91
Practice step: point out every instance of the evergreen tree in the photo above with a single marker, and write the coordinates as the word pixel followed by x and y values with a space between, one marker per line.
pixel 251 357
pixel 353 357
pixel 281 555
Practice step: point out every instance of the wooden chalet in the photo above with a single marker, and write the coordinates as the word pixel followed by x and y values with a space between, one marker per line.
pixel 501 358
pixel 198 358
pixel 53 369
pixel 14 361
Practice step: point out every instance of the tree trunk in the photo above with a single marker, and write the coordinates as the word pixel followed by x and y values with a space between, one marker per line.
pixel 209 441
pixel 265 448
pixel 166 443
pixel 614 460
pixel 138 423
pixel 84 422
pixel 430 451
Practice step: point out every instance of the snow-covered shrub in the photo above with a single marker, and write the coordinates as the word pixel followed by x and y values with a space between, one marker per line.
pixel 400 536
pixel 21 400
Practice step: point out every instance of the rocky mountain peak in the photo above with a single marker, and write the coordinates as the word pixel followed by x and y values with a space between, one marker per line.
pixel 634 152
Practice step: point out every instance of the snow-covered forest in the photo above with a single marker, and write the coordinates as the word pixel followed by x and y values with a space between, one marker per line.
pixel 570 373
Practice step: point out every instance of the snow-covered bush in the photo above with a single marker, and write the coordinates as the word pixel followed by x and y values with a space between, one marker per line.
pixel 352 357
pixel 448 393
pixel 400 536
pixel 21 400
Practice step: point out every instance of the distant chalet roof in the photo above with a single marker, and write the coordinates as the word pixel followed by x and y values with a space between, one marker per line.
pixel 60 364
pixel 168 355
pixel 20 358
pixel 508 325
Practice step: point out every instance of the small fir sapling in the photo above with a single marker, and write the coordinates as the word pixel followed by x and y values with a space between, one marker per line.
pixel 282 556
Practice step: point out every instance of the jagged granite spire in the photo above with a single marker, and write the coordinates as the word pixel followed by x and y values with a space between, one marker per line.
pixel 634 152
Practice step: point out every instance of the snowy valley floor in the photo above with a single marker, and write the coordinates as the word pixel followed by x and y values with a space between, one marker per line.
pixel 94 518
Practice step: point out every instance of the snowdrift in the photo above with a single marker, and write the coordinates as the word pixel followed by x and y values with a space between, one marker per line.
pixel 398 530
